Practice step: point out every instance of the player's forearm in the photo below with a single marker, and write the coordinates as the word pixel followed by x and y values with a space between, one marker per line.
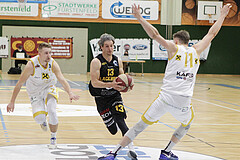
pixel 66 86
pixel 150 30
pixel 217 26
pixel 100 84
pixel 15 93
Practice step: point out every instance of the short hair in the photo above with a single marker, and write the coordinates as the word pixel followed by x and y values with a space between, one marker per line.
pixel 183 36
pixel 44 45
pixel 20 47
pixel 105 37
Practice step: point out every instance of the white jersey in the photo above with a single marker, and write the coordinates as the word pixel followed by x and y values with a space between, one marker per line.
pixel 181 70
pixel 42 78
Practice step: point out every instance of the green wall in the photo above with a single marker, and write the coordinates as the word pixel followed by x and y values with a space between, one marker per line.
pixel 223 57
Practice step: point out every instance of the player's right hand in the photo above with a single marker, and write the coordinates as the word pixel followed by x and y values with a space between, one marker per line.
pixel 116 85
pixel 10 107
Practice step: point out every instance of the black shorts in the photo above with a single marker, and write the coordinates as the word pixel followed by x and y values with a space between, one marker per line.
pixel 110 108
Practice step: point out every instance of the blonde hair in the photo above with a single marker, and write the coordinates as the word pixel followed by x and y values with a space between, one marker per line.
pixel 44 45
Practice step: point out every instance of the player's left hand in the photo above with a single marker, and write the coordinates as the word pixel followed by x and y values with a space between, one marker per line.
pixel 225 9
pixel 74 97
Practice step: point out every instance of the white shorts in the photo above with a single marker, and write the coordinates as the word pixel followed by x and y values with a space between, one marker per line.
pixel 180 107
pixel 38 102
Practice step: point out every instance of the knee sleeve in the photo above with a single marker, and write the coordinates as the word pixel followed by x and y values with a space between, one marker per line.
pixel 181 131
pixel 135 130
pixel 122 126
pixel 51 108
pixel 40 118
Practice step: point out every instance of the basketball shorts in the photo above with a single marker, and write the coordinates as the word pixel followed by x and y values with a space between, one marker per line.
pixel 178 106
pixel 110 108
pixel 38 102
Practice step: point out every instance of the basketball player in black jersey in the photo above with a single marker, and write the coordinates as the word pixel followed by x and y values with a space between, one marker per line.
pixel 103 70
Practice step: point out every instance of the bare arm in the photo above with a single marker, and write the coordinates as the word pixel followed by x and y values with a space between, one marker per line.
pixel 120 66
pixel 28 70
pixel 95 74
pixel 153 33
pixel 62 80
pixel 213 31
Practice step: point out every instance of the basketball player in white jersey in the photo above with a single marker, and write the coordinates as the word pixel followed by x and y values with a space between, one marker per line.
pixel 41 74
pixel 178 83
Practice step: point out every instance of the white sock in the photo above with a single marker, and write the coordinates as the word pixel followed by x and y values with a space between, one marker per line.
pixel 117 149
pixel 53 134
pixel 169 147
pixel 130 146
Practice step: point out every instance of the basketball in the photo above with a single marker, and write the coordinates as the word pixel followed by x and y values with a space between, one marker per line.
pixel 127 82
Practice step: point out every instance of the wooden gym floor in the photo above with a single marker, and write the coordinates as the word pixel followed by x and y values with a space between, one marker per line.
pixel 214 132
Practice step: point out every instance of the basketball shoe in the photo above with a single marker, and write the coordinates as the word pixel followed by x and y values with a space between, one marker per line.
pixel 53 143
pixel 109 156
pixel 167 156
pixel 44 126
pixel 132 154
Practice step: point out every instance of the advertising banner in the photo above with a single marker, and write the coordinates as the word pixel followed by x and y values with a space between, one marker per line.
pixel 96 49
pixel 160 53
pixel 132 48
pixel 71 9
pixel 61 47
pixel 13 9
pixel 3 47
pixel 115 9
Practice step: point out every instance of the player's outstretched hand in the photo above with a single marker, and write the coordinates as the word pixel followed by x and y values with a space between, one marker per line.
pixel 10 107
pixel 74 97
pixel 136 11
pixel 225 9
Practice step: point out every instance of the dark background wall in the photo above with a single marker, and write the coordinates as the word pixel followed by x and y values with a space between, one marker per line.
pixel 223 58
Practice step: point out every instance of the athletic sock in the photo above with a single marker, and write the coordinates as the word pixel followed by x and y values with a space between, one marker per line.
pixel 169 147
pixel 53 134
pixel 130 146
pixel 117 149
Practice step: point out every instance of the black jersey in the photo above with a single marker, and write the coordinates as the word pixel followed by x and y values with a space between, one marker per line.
pixel 108 72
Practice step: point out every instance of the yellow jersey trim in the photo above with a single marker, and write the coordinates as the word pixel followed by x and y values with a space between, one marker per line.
pixel 185 125
pixel 40 112
pixel 42 65
pixel 33 67
pixel 174 54
pixel 144 119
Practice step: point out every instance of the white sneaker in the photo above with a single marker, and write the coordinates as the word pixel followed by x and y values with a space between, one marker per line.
pixel 132 154
pixel 44 126
pixel 53 143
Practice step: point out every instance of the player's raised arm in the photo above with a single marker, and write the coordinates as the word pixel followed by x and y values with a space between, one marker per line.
pixel 213 31
pixel 28 70
pixel 153 32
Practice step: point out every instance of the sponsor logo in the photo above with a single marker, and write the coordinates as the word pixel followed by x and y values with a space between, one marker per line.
pixel 118 10
pixel 86 151
pixel 184 76
pixel 139 47
pixel 161 48
pixel 115 63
